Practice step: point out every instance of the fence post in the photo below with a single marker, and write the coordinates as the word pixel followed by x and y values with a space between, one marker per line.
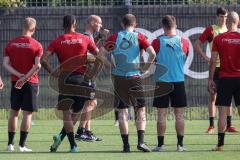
pixel 128 2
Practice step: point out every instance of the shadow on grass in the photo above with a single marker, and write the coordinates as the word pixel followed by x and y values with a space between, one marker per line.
pixel 116 152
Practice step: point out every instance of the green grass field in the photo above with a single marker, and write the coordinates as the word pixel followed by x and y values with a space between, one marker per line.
pixel 196 141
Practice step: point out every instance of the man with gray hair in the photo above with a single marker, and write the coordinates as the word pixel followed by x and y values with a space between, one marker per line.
pixel 227 46
pixel 25 84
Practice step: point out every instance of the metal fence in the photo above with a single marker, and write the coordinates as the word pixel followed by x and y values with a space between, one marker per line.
pixel 191 20
pixel 55 3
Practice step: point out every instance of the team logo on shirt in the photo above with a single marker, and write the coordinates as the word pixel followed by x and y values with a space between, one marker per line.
pixel 72 41
pixel 21 45
pixel 231 41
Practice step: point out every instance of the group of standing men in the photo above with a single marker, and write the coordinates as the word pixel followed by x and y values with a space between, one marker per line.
pixel 72 48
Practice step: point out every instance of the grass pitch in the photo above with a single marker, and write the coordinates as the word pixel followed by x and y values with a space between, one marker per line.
pixel 196 141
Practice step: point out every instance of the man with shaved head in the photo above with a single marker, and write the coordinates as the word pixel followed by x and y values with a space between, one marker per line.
pixel 227 46
pixel 207 36
pixel 93 25
pixel 22 61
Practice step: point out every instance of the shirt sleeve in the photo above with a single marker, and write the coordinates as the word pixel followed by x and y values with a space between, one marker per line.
pixel 143 42
pixel 6 51
pixel 207 35
pixel 214 45
pixel 185 46
pixel 52 46
pixel 156 45
pixel 39 52
pixel 110 43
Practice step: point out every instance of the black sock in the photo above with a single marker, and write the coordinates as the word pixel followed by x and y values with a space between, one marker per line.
pixel 81 130
pixel 211 121
pixel 116 115
pixel 229 121
pixel 125 139
pixel 160 141
pixel 221 139
pixel 11 137
pixel 71 139
pixel 180 140
pixel 23 137
pixel 135 115
pixel 140 136
pixel 63 133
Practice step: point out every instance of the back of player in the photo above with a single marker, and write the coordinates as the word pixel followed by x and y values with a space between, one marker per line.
pixel 227 46
pixel 125 47
pixel 22 60
pixel 172 52
pixel 71 50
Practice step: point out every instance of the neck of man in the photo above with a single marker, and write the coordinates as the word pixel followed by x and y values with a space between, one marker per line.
pixel 69 30
pixel 27 33
pixel 233 28
pixel 222 25
pixel 130 29
pixel 89 30
pixel 170 32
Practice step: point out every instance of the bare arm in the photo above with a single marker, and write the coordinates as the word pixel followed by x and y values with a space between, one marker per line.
pixel 211 84
pixel 9 68
pixel 102 34
pixel 102 55
pixel 151 57
pixel 35 69
pixel 31 72
pixel 197 47
pixel 1 83
pixel 98 63
pixel 45 62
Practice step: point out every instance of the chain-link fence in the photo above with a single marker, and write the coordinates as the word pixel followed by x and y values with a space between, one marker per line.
pixel 191 20
pixel 55 3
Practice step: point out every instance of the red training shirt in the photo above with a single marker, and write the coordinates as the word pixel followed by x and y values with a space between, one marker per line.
pixel 207 35
pixel 228 47
pixel 71 50
pixel 22 52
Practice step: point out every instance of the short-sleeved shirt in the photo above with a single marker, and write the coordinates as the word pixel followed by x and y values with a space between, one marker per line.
pixel 184 42
pixel 111 41
pixel 126 52
pixel 209 34
pixel 228 47
pixel 22 52
pixel 71 50
pixel 172 52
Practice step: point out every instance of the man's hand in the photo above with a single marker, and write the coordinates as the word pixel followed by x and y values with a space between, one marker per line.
pixel 56 73
pixel 212 87
pixel 19 84
pixel 103 33
pixel 207 58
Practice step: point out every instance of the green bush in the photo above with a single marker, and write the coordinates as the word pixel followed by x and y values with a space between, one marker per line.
pixel 11 3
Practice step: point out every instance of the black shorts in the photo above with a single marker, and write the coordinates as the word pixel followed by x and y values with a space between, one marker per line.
pixel 128 92
pixel 74 91
pixel 216 77
pixel 177 97
pixel 25 98
pixel 228 88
